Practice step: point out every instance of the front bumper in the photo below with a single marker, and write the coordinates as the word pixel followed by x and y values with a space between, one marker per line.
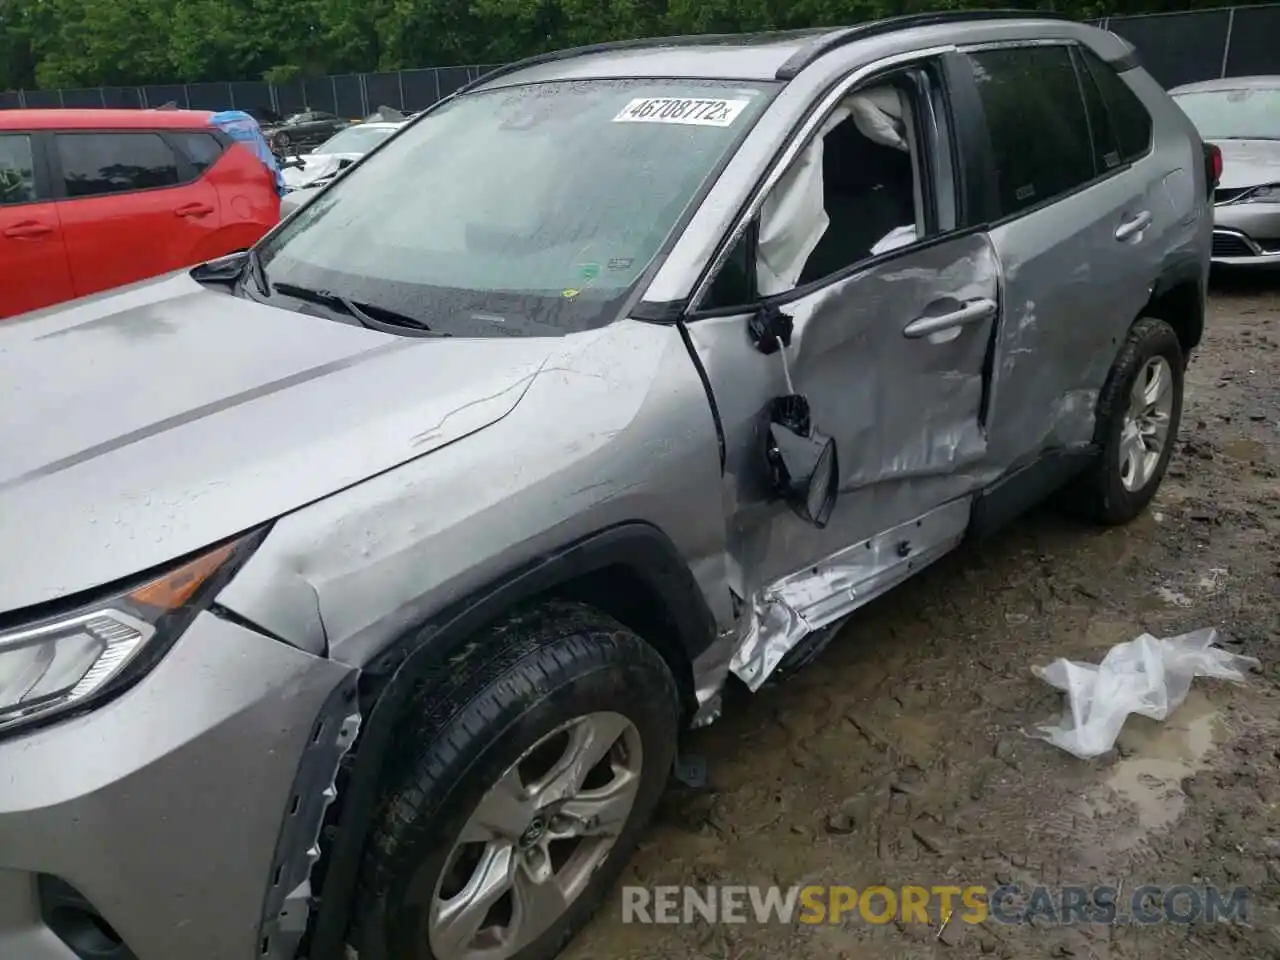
pixel 1246 235
pixel 164 807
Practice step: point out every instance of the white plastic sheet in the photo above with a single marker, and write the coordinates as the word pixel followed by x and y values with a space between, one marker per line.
pixel 1147 676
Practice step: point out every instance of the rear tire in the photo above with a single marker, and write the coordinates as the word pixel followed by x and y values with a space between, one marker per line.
pixel 475 840
pixel 1139 411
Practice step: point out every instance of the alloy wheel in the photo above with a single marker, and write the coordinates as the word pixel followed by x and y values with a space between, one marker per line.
pixel 529 848
pixel 1146 423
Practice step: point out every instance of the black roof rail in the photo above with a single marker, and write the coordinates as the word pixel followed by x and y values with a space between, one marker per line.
pixel 825 40
pixel 635 43
pixel 838 37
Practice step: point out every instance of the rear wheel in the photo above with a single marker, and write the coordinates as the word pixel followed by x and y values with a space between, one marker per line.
pixel 521 791
pixel 1139 411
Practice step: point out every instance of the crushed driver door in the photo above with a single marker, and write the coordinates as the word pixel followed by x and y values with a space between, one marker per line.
pixel 893 361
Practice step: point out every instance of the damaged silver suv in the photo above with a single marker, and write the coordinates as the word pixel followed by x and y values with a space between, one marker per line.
pixel 355 590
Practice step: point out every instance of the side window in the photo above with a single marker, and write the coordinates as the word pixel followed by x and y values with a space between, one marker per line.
pixel 17 169
pixel 1036 121
pixel 95 164
pixel 1129 117
pixel 853 193
pixel 202 149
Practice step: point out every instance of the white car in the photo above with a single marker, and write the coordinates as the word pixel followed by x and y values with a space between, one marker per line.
pixel 336 153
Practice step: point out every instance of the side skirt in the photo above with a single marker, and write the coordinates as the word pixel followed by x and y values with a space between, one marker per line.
pixel 802 604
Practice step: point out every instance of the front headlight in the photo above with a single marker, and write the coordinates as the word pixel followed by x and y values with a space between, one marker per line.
pixel 1268 194
pixel 67 661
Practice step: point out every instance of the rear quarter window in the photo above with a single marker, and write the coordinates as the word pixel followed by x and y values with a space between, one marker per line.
pixel 201 149
pixel 98 164
pixel 1128 115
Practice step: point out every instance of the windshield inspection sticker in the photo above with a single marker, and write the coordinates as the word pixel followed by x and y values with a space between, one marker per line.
pixel 690 111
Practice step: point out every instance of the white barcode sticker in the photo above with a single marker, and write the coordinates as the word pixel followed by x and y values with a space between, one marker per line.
pixel 690 111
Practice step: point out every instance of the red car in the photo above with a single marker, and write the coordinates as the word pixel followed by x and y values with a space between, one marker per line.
pixel 93 199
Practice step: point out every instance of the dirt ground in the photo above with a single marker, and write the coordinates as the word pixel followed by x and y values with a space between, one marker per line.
pixel 900 757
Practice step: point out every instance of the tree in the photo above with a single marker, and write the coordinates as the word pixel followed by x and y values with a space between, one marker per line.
pixel 67 43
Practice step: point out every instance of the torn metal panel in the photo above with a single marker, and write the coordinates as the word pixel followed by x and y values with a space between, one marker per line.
pixel 796 607
pixel 289 897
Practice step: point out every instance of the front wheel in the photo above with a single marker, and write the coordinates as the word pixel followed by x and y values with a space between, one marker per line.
pixel 521 791
pixel 1139 411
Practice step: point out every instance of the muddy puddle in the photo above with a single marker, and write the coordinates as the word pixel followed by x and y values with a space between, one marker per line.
pixel 1157 757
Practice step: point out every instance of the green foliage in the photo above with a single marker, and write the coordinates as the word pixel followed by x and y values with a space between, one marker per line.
pixel 72 43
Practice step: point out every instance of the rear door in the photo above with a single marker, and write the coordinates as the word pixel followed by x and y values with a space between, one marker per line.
pixel 1073 220
pixel 33 257
pixel 131 206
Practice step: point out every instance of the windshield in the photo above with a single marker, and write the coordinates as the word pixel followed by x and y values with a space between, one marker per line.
pixel 1245 114
pixel 358 139
pixel 525 210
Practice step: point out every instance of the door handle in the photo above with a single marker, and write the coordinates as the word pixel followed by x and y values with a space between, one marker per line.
pixel 29 230
pixel 194 210
pixel 971 312
pixel 1134 225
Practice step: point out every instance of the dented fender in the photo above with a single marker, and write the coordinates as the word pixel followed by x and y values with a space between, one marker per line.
pixel 614 428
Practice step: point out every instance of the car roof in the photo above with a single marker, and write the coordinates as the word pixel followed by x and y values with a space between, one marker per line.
pixel 756 56
pixel 96 119
pixel 778 55
pixel 1230 83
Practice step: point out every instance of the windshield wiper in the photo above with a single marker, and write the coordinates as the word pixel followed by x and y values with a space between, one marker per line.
pixel 388 318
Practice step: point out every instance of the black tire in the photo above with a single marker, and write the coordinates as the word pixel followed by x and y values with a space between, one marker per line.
pixel 508 689
pixel 1099 495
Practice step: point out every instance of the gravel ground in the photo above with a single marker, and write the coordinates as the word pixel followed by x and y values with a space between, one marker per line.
pixel 900 758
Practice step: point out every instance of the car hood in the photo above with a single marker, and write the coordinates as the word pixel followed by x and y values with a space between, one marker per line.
pixel 1249 163
pixel 147 423
pixel 317 166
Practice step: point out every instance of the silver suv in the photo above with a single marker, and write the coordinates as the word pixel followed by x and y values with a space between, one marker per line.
pixel 356 590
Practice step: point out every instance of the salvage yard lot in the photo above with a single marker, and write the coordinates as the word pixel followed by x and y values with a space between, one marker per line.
pixel 900 759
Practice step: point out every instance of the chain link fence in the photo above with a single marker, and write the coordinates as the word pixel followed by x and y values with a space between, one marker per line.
pixel 1175 47
pixel 353 95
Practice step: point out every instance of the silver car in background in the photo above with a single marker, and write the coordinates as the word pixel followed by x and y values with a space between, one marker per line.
pixel 1241 116
pixel 336 154
pixel 306 174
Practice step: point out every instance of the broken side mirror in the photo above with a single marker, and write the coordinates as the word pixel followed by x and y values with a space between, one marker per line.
pixel 803 466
